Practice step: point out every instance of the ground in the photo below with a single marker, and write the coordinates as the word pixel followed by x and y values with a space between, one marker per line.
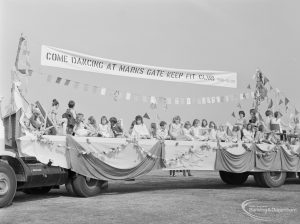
pixel 154 198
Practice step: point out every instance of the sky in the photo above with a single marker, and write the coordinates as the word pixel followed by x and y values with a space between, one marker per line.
pixel 225 35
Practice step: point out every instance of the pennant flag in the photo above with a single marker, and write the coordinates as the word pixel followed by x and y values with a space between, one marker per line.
pixel 67 82
pixel 188 101
pixel 249 87
pixel 213 99
pixel 116 95
pixel 280 102
pixel 218 99
pixel 208 100
pixel 233 114
pixel 128 96
pixel 286 101
pixel 103 91
pixel 270 104
pixel 203 100
pixel 49 78
pixel 241 96
pixel 146 116
pixel 22 59
pixel 58 80
pixel 169 100
pixel 153 100
pixel 239 106
pixel 266 80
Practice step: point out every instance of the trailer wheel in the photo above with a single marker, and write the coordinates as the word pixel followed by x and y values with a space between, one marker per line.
pixel 8 184
pixel 272 179
pixel 37 190
pixel 233 178
pixel 86 187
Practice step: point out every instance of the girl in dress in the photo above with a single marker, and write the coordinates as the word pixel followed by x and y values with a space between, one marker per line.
pixel 241 121
pixel 260 135
pixel 80 128
pixel 175 130
pixel 222 135
pixel 187 131
pixel 139 129
pixel 236 134
pixel 196 131
pixel 212 131
pixel 92 126
pixel 104 128
pixel 162 132
pixel 116 127
pixel 204 131
pixel 248 135
pixel 59 123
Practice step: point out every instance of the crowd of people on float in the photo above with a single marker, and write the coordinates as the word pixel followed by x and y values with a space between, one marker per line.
pixel 245 130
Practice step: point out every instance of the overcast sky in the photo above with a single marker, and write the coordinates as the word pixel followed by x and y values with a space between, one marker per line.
pixel 227 35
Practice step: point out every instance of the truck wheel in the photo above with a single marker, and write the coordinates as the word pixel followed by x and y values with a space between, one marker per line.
pixel 272 179
pixel 8 184
pixel 233 178
pixel 86 187
pixel 38 190
pixel 69 187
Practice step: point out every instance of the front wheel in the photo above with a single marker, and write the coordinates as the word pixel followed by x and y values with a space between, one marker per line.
pixel 233 178
pixel 271 179
pixel 86 187
pixel 8 184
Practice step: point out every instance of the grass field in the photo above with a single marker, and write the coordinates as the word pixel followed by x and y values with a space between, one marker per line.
pixel 154 198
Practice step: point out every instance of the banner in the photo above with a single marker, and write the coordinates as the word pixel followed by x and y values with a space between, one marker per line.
pixel 55 57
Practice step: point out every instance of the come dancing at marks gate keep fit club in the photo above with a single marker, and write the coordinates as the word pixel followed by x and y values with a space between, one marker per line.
pixel 44 150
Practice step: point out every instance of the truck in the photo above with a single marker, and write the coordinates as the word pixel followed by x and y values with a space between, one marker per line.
pixel 35 164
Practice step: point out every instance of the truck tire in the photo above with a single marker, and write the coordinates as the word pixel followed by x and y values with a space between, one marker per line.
pixel 272 179
pixel 37 190
pixel 69 187
pixel 233 178
pixel 8 184
pixel 86 187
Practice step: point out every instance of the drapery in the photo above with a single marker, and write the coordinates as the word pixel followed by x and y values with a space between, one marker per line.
pixel 89 165
pixel 235 163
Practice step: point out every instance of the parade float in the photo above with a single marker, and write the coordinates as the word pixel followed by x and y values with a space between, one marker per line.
pixel 37 161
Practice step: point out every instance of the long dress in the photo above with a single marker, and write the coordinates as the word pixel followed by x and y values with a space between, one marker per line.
pixel 105 131
pixel 140 131
pixel 80 130
pixel 176 131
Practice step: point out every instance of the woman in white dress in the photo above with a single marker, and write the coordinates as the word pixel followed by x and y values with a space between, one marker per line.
pixel 104 128
pixel 80 128
pixel 139 129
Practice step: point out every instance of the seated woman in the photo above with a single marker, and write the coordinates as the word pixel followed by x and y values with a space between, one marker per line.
pixel 187 131
pixel 116 127
pixel 222 135
pixel 212 135
pixel 235 134
pixel 204 130
pixel 139 129
pixel 104 128
pixel 162 132
pixel 197 131
pixel 248 135
pixel 36 120
pixel 80 128
pixel 92 126
pixel 175 129
pixel 260 134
